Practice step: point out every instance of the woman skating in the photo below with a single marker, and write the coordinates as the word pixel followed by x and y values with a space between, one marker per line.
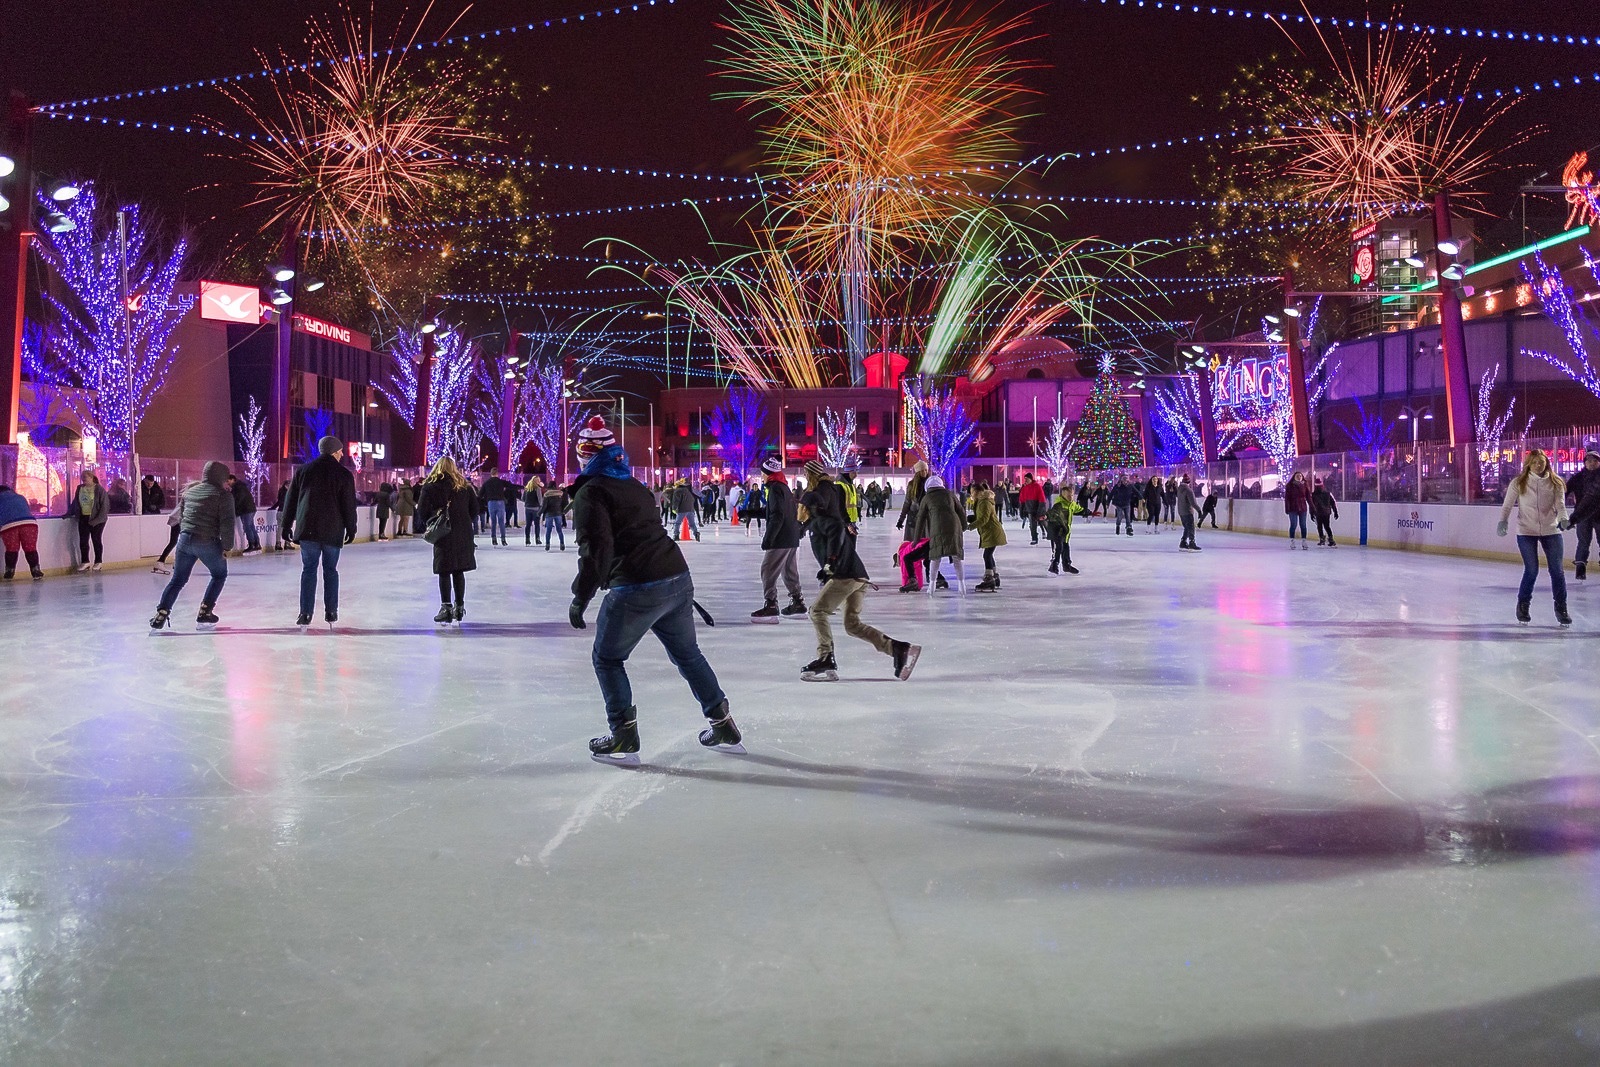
pixel 456 553
pixel 991 535
pixel 1296 504
pixel 1540 497
pixel 1152 505
pixel 941 524
pixel 405 506
pixel 1324 509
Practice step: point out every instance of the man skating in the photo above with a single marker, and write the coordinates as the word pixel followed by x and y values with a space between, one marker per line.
pixel 779 545
pixel 1122 497
pixel 1033 502
pixel 623 549
pixel 834 544
pixel 495 489
pixel 1186 513
pixel 1585 490
pixel 319 512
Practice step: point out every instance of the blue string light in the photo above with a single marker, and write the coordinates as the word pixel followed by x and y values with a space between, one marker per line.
pixel 1382 25
pixel 443 42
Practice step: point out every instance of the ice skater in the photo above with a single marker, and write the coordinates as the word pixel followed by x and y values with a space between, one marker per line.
pixel 991 535
pixel 1585 491
pixel 623 549
pixel 1058 528
pixel 1122 496
pixel 319 514
pixel 1209 507
pixel 446 491
pixel 1297 504
pixel 205 535
pixel 845 581
pixel 941 523
pixel 1540 497
pixel 1186 507
pixel 19 530
pixel 1324 509
pixel 778 546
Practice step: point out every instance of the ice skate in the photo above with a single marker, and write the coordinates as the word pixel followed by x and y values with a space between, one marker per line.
pixel 939 583
pixel 767 613
pixel 821 669
pixel 1562 617
pixel 8 575
pixel 794 609
pixel 911 587
pixel 1580 571
pixel 1523 615
pixel 1070 569
pixel 206 619
pixel 161 623
pixel 619 748
pixel 330 618
pixel 1053 570
pixel 723 735
pixel 446 616
pixel 159 569
pixel 989 583
pixel 905 658
pixel 460 613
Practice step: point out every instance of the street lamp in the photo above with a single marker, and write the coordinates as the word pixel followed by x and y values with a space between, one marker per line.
pixel 1415 416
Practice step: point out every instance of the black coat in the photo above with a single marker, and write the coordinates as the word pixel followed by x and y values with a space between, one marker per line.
pixel 620 537
pixel 458 551
pixel 1585 489
pixel 244 501
pixel 832 541
pixel 322 501
pixel 783 524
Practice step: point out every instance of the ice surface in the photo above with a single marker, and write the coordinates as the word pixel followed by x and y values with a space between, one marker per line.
pixel 1236 807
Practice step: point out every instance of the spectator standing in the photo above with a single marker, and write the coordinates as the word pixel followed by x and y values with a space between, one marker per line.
pixel 90 507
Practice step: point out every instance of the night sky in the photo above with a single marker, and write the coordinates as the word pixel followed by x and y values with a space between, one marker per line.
pixel 636 90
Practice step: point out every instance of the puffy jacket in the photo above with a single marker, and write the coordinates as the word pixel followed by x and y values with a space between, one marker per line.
pixel 986 520
pixel 940 521
pixel 684 500
pixel 831 540
pixel 14 510
pixel 458 550
pixel 207 507
pixel 1541 507
pixel 618 526
pixel 321 502
pixel 554 502
pixel 1323 505
pixel 1296 500
pixel 1033 500
pixel 1058 520
pixel 783 525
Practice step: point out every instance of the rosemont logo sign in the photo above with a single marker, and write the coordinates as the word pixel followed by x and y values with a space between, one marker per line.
pixel 1416 522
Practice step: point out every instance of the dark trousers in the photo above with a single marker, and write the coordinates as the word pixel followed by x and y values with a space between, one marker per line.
pixel 90 535
pixel 1188 529
pixel 1211 511
pixel 1061 552
pixel 1529 547
pixel 1324 528
pixel 1585 535
pixel 312 555
pixel 190 551
pixel 383 523
pixel 664 608
pixel 172 542
pixel 456 580
pixel 988 560
pixel 530 533
pixel 252 540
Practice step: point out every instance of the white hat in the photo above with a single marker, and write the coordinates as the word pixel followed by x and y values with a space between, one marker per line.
pixel 934 482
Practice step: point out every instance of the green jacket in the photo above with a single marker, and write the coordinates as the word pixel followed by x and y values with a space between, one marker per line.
pixel 991 534
pixel 1058 520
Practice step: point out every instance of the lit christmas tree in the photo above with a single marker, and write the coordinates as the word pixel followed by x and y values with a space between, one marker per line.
pixel 1108 437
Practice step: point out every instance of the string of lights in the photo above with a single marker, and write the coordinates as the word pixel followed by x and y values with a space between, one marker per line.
pixel 443 42
pixel 1398 25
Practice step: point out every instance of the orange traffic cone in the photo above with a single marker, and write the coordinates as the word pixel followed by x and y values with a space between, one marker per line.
pixel 683 528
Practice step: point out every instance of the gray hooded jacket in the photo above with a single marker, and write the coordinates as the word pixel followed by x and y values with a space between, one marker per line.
pixel 207 507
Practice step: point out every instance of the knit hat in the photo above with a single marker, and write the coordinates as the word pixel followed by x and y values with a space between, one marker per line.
pixel 815 469
pixel 594 437
pixel 1591 452
pixel 934 482
pixel 920 468
pixel 329 445
pixel 773 465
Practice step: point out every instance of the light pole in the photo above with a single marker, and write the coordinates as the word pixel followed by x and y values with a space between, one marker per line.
pixel 1415 416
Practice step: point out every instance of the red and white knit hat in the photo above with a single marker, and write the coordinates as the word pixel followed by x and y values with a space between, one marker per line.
pixel 593 437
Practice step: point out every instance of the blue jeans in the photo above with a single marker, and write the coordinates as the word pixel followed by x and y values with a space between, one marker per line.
pixel 252 540
pixel 497 520
pixel 626 615
pixel 190 550
pixel 1529 547
pixel 555 521
pixel 1585 534
pixel 530 533
pixel 1297 518
pixel 311 554
pixel 694 522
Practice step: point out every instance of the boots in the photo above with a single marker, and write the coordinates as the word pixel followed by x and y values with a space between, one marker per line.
pixel 990 583
pixel 796 607
pixel 767 612
pixel 1523 615
pixel 1581 571
pixel 1561 614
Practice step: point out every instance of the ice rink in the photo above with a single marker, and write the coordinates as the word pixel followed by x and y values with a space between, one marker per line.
pixel 1237 807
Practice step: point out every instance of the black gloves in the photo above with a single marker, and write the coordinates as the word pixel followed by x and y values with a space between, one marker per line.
pixel 349 538
pixel 575 614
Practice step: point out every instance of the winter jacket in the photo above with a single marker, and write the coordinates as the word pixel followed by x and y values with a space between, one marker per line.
pixel 940 521
pixel 986 520
pixel 533 495
pixel 1058 520
pixel 554 502
pixel 753 505
pixel 14 510
pixel 1323 506
pixel 1585 489
pixel 244 501
pixel 913 500
pixel 495 489
pixel 207 507
pixel 1296 500
pixel 1123 495
pixel 1186 502
pixel 783 525
pixel 1152 498
pixel 321 503
pixel 152 498
pixel 385 499
pixel 1540 508
pixel 684 501
pixel 1033 500
pixel 405 500
pixel 618 526
pixel 457 550
pixel 98 513
pixel 832 539
pixel 1210 504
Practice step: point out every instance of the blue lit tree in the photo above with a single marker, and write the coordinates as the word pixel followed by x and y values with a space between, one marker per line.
pixel 1371 433
pixel 114 355
pixel 736 424
pixel 1561 306
pixel 319 424
pixel 455 395
pixel 945 430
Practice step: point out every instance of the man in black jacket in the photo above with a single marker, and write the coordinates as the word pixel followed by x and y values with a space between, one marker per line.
pixel 623 549
pixel 833 542
pixel 779 545
pixel 244 506
pixel 494 496
pixel 1585 490
pixel 319 511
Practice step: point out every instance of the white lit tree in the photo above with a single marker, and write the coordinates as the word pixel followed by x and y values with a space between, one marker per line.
pixel 252 445
pixel 836 436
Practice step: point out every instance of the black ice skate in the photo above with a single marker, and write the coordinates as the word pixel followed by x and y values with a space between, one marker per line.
pixel 1561 614
pixel 723 735
pixel 940 583
pixel 767 613
pixel 1069 568
pixel 1581 571
pixel 160 623
pixel 330 617
pixel 794 608
pixel 446 616
pixel 619 748
pixel 913 586
pixel 1523 616
pixel 821 669
pixel 460 613
pixel 302 621
pixel 905 658
pixel 207 619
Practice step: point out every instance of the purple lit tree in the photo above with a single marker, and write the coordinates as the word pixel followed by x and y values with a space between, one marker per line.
pixel 115 354
pixel 455 393
pixel 319 424
pixel 252 445
pixel 1176 409
pixel 944 429
pixel 1561 305
pixel 544 395
pixel 1490 429
pixel 1372 433
pixel 736 424
pixel 836 436
pixel 493 374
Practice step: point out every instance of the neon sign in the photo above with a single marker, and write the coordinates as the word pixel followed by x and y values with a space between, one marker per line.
pixel 1235 383
pixel 230 303
pixel 1364 256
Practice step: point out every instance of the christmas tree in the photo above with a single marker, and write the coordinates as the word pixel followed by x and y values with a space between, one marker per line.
pixel 1108 438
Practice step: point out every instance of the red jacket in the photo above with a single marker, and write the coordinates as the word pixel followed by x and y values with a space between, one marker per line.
pixel 1296 498
pixel 1032 493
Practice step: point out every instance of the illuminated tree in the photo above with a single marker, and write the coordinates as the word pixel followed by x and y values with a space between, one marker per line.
pixel 1561 305
pixel 1176 410
pixel 836 436
pixel 1057 451
pixel 455 395
pixel 115 356
pixel 493 374
pixel 546 406
pixel 1108 438
pixel 252 445
pixel 1490 429
pixel 736 425
pixel 1372 432
pixel 319 424
pixel 945 430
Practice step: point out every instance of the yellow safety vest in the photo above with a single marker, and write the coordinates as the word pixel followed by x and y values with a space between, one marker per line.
pixel 852 498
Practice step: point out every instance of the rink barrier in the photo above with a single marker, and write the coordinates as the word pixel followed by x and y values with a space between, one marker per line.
pixel 1438 529
pixel 133 541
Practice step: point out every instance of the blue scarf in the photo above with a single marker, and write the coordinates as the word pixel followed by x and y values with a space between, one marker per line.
pixel 611 462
